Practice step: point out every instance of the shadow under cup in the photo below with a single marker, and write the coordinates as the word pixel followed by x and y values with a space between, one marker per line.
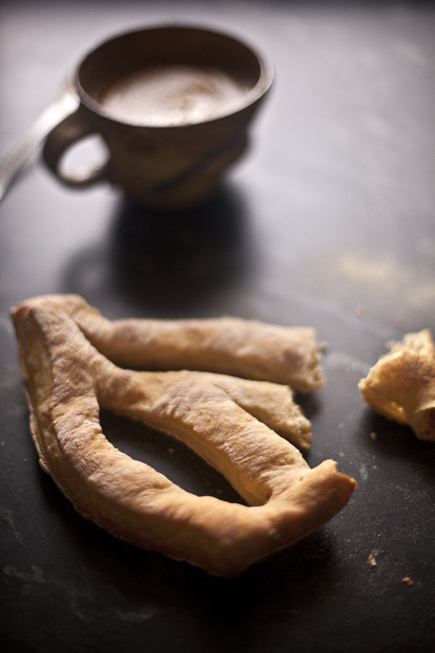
pixel 172 104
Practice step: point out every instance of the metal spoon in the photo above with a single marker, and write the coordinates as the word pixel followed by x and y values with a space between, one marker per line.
pixel 48 119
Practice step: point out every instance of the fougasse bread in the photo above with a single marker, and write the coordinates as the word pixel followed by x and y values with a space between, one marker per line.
pixel 401 385
pixel 74 362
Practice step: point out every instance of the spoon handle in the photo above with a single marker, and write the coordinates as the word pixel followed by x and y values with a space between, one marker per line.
pixel 53 114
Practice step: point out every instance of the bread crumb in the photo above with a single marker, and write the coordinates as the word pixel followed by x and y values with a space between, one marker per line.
pixel 361 312
pixel 399 323
pixel 407 581
pixel 372 560
pixel 373 436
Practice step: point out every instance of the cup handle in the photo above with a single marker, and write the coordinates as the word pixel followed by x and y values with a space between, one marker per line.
pixel 70 130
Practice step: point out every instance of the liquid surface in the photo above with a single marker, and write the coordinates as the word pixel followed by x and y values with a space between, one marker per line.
pixel 172 95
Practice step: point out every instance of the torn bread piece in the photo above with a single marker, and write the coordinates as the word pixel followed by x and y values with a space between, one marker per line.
pixel 401 386
pixel 230 422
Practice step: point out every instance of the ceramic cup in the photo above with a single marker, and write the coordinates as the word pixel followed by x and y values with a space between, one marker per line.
pixel 172 104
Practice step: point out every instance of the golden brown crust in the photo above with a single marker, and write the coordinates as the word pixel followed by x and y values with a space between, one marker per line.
pixel 227 345
pixel 401 386
pixel 227 420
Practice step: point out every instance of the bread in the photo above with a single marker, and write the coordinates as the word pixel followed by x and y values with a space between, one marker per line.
pixel 67 351
pixel 401 386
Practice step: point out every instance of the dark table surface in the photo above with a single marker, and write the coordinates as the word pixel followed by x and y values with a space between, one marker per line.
pixel 329 222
